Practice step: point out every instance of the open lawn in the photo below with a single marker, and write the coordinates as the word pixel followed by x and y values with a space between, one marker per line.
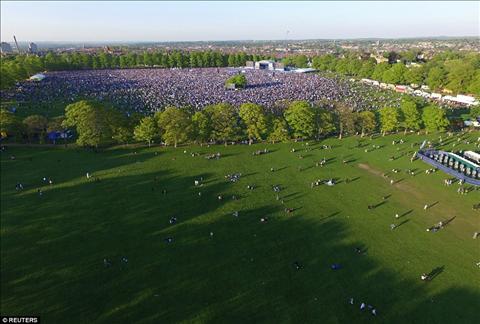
pixel 221 268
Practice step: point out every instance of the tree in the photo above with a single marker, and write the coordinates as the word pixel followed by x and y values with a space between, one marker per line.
pixel 301 61
pixel 353 66
pixel 122 134
pixel 436 78
pixel 324 62
pixel 345 119
pixel 475 112
pixel 411 115
pixel 92 121
pixel 474 86
pixel 254 119
pixel 367 122
pixel 415 75
pixel 146 131
pixel 388 119
pixel 325 122
pixel 55 124
pixel 301 119
pixel 175 124
pixel 36 126
pixel 460 73
pixel 279 130
pixel 379 70
pixel 201 127
pixel 224 122
pixel 367 69
pixel 396 74
pixel 238 80
pixel 434 118
pixel 9 124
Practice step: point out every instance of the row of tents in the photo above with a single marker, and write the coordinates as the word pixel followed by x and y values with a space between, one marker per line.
pixel 421 92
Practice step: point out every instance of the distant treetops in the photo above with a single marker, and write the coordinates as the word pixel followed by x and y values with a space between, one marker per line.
pixel 97 124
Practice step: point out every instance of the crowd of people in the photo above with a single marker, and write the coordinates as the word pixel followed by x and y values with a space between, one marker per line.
pixel 147 90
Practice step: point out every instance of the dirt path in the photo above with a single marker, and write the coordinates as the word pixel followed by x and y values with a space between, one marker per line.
pixel 399 185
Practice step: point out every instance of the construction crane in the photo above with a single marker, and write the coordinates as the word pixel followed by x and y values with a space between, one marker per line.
pixel 16 44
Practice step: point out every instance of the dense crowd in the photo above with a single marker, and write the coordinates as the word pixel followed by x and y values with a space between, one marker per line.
pixel 147 90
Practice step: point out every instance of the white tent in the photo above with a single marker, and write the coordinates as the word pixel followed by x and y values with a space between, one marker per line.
pixel 37 77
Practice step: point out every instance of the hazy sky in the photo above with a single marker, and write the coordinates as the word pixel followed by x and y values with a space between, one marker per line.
pixel 177 21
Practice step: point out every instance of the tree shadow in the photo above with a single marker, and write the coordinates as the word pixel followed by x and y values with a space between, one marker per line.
pixel 219 268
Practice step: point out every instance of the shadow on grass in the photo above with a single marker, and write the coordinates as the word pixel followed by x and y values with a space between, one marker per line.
pixel 219 268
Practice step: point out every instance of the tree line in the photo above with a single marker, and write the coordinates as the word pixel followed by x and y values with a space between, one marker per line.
pixel 20 67
pixel 454 71
pixel 97 124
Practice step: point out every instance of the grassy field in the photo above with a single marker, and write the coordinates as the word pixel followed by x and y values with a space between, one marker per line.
pixel 53 245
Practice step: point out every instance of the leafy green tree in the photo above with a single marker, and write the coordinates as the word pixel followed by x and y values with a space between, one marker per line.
pixel 55 124
pixel 415 75
pixel 231 60
pixel 354 66
pixel 122 134
pixel 288 61
pixel 92 121
pixel 367 122
pixel 367 69
pixel 36 126
pixel 434 118
pixel 459 74
pixel 342 66
pixel 379 70
pixel 325 122
pixel 279 130
pixel 301 61
pixel 254 119
pixel 396 74
pixel 475 112
pixel 239 80
pixel 411 115
pixel 388 119
pixel 474 86
pixel 201 127
pixel 301 119
pixel 147 130
pixel 436 78
pixel 224 122
pixel 175 124
pixel 9 124
pixel 324 63
pixel 345 119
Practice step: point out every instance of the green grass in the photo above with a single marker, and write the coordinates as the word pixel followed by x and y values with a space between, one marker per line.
pixel 53 246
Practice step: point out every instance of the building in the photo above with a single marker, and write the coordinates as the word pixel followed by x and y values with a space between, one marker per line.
pixel 304 70
pixel 379 58
pixel 265 65
pixel 32 48
pixel 462 99
pixel 6 48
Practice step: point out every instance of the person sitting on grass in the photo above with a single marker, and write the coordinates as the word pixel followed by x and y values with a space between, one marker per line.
pixel 336 266
pixel 297 265
pixel 107 263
